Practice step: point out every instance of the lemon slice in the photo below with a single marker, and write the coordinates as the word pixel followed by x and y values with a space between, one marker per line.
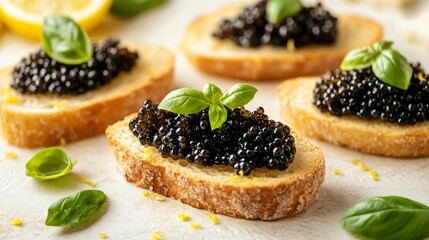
pixel 25 17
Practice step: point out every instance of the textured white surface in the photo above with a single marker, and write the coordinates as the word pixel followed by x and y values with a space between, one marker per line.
pixel 132 216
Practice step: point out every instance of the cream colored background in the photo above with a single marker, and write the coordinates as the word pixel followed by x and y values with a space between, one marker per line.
pixel 132 216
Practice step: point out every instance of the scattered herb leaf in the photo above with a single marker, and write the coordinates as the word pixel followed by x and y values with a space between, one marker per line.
pixel 277 10
pixel 49 163
pixel 390 217
pixel 75 208
pixel 131 8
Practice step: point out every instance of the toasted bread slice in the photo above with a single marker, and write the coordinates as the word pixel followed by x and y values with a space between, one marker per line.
pixel 223 57
pixel 46 120
pixel 265 194
pixel 368 136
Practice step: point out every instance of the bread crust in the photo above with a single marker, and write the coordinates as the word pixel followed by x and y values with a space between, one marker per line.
pixel 222 57
pixel 368 136
pixel 262 195
pixel 33 123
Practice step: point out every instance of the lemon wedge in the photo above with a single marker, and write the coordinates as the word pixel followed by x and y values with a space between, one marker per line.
pixel 25 17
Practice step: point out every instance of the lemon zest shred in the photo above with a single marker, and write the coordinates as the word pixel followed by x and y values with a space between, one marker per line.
pixel 157 235
pixel 365 168
pixel 147 152
pixel 420 77
pixel 85 180
pixel 158 197
pixel 10 96
pixel 337 172
pixel 148 71
pixel 146 193
pixel 10 155
pixel 291 45
pixel 16 222
pixel 102 235
pixel 212 217
pixel 183 217
pixel 59 104
pixel 195 225
pixel 62 142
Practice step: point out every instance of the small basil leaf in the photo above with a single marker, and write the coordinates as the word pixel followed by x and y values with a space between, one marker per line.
pixel 359 58
pixel 393 68
pixel 277 10
pixel 131 8
pixel 239 95
pixel 390 217
pixel 212 93
pixel 65 41
pixel 217 115
pixel 49 163
pixel 75 208
pixel 382 45
pixel 184 101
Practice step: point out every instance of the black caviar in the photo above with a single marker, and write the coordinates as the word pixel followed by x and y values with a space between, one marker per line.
pixel 252 29
pixel 361 93
pixel 247 140
pixel 38 73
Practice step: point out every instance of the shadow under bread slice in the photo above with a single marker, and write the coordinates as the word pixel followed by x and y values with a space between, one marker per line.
pixel 246 167
pixel 44 102
pixel 239 41
pixel 367 109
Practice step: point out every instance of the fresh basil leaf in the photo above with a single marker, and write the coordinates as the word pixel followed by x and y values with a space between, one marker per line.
pixel 65 41
pixel 49 163
pixel 390 217
pixel 239 95
pixel 277 10
pixel 75 208
pixel 217 115
pixel 184 101
pixel 393 68
pixel 131 8
pixel 359 58
pixel 382 45
pixel 212 93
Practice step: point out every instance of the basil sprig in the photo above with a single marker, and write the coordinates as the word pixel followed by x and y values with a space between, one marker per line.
pixel 390 217
pixel 76 208
pixel 49 163
pixel 131 8
pixel 387 64
pixel 277 10
pixel 190 101
pixel 65 41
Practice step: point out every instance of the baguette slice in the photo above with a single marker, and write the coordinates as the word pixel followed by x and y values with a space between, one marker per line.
pixel 46 120
pixel 223 57
pixel 265 194
pixel 368 136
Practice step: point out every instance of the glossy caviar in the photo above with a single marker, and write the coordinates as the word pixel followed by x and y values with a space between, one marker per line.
pixel 361 93
pixel 247 140
pixel 252 29
pixel 38 73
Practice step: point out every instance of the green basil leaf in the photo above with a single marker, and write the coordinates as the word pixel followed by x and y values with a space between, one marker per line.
pixel 277 10
pixel 49 163
pixel 75 208
pixel 65 41
pixel 131 8
pixel 239 95
pixel 217 115
pixel 390 217
pixel 212 93
pixel 359 58
pixel 382 45
pixel 184 101
pixel 393 68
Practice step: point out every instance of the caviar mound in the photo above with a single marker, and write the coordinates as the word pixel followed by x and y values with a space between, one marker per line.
pixel 38 73
pixel 361 93
pixel 247 140
pixel 252 29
